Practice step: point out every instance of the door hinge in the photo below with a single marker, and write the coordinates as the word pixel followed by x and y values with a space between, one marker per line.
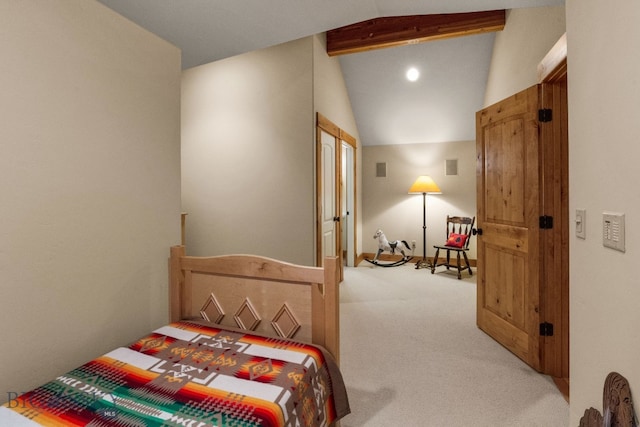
pixel 545 115
pixel 546 222
pixel 546 329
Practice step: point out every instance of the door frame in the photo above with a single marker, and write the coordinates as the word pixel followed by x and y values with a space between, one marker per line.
pixel 552 71
pixel 348 202
pixel 326 125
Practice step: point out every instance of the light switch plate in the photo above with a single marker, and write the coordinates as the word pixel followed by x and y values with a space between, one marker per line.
pixel 581 223
pixel 613 230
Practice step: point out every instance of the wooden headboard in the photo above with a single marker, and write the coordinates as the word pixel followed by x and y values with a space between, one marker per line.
pixel 258 294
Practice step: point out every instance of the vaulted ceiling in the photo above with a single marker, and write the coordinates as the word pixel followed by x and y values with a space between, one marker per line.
pixel 438 107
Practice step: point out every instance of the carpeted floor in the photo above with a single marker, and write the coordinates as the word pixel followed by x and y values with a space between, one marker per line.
pixel 412 355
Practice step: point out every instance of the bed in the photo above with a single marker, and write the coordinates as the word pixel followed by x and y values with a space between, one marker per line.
pixel 252 341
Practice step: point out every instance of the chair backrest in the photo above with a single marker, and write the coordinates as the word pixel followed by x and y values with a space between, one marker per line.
pixel 461 225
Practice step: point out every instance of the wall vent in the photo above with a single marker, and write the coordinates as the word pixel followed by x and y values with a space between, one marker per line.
pixel 381 170
pixel 451 167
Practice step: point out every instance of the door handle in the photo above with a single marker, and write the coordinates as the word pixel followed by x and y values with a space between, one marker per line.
pixel 336 218
pixel 477 231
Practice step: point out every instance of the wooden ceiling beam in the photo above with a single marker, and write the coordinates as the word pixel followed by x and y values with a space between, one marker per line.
pixel 403 30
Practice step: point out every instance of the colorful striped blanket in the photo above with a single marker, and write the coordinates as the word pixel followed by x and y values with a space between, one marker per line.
pixel 189 374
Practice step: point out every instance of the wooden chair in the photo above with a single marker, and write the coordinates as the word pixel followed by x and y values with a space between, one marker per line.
pixel 459 230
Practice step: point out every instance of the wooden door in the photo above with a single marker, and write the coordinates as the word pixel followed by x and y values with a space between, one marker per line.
pixel 510 186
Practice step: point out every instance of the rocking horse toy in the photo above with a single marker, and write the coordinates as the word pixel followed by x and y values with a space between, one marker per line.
pixel 385 245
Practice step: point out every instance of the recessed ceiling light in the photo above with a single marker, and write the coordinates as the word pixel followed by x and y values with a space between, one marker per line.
pixel 413 74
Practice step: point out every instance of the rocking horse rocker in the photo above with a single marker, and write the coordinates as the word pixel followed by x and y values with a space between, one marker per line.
pixel 385 245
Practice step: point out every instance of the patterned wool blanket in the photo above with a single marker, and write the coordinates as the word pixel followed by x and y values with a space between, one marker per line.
pixel 190 374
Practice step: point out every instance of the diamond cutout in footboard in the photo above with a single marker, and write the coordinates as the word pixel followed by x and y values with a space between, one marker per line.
pixel 247 317
pixel 285 323
pixel 212 311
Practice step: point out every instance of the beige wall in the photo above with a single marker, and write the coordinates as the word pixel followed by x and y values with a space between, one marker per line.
pixel 248 149
pixel 330 96
pixel 90 184
pixel 247 154
pixel 387 204
pixel 604 106
pixel 518 49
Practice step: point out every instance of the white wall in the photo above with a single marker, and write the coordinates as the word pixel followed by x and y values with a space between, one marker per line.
pixel 527 37
pixel 604 106
pixel 90 184
pixel 387 204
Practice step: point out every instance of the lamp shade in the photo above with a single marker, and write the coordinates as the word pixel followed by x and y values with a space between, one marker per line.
pixel 424 184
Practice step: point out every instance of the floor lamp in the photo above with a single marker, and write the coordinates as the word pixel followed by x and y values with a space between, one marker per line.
pixel 424 185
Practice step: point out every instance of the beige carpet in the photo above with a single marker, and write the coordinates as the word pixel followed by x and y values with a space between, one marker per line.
pixel 412 355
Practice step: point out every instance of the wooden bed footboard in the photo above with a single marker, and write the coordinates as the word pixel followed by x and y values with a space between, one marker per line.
pixel 258 294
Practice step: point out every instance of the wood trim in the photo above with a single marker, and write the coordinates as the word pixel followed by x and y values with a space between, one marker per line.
pixel 552 71
pixel 331 308
pixel 392 31
pixel 176 278
pixel 319 127
pixel 554 170
pixel 348 138
pixel 327 125
pixel 563 386
pixel 553 66
pixel 254 266
pixel 183 224
pixel 334 130
pixel 355 204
